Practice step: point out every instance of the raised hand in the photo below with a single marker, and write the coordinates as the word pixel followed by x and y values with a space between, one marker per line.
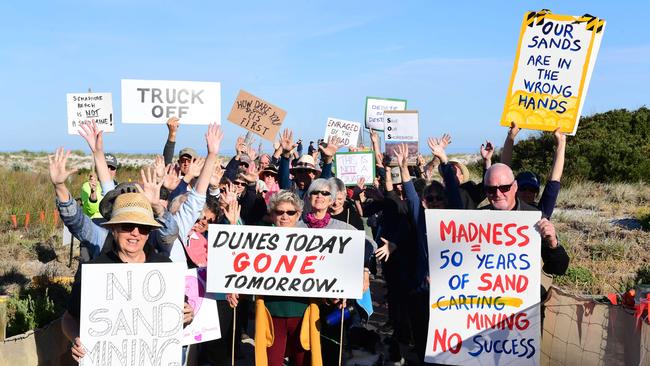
pixel 216 174
pixel 195 169
pixel 233 212
pixel 331 148
pixel 240 145
pixel 445 140
pixel 213 139
pixel 361 183
pixel 251 174
pixel 437 149
pixel 58 172
pixel 172 127
pixel 171 178
pixel 230 194
pixel 384 252
pixel 560 138
pixel 93 136
pixel 252 153
pixel 402 154
pixel 513 131
pixel 374 138
pixel 159 167
pixel 151 185
pixel 286 141
pixel 487 149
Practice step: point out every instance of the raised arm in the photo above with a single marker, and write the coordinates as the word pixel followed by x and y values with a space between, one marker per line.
pixel 170 145
pixel 552 188
pixel 286 144
pixel 327 154
pixel 95 139
pixel 508 145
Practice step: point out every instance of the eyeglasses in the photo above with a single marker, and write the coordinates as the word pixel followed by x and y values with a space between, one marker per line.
pixel 128 227
pixel 281 212
pixel 322 193
pixel 241 184
pixel 493 189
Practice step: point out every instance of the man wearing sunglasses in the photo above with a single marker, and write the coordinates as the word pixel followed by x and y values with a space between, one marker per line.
pixel 501 190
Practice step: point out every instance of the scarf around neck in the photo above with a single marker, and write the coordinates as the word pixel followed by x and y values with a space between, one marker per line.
pixel 315 223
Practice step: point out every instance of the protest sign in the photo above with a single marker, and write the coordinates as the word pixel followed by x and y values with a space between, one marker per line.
pixel 345 132
pixel 269 260
pixel 205 324
pixel 86 108
pixel 555 58
pixel 132 314
pixel 375 108
pixel 485 287
pixel 352 166
pixel 256 115
pixel 401 127
pixel 155 101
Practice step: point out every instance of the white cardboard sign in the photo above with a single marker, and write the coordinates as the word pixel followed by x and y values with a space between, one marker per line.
pixel 345 132
pixel 401 127
pixel 86 108
pixel 132 314
pixel 375 108
pixel 485 287
pixel 205 324
pixel 155 101
pixel 352 166
pixel 268 260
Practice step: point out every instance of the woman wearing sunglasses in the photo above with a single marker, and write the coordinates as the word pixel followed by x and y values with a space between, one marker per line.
pixel 130 224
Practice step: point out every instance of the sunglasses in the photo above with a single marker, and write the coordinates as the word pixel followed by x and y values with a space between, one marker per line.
pixel 143 229
pixel 281 212
pixel 322 193
pixel 241 184
pixel 208 220
pixel 493 189
pixel 112 168
pixel 529 189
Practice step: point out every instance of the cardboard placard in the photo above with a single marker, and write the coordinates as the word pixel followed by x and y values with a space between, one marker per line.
pixel 279 261
pixel 485 287
pixel 352 166
pixel 155 101
pixel 205 324
pixel 86 108
pixel 345 132
pixel 375 108
pixel 555 58
pixel 256 115
pixel 132 313
pixel 401 127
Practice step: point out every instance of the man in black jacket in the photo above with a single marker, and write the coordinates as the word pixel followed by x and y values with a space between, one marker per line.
pixel 501 190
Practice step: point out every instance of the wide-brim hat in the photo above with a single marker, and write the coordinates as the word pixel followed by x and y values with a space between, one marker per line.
pixel 306 162
pixel 132 208
pixel 271 169
pixel 106 204
pixel 461 166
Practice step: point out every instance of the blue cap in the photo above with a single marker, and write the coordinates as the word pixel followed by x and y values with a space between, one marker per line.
pixel 527 179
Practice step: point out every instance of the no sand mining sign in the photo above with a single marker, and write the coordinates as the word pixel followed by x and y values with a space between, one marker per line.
pixel 555 58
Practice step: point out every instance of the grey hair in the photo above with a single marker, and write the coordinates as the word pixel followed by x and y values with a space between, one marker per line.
pixel 319 185
pixel 340 186
pixel 499 167
pixel 284 196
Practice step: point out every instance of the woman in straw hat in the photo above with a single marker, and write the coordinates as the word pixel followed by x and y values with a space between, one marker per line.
pixel 131 222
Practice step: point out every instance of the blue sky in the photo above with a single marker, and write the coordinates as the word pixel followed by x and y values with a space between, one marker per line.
pixel 314 59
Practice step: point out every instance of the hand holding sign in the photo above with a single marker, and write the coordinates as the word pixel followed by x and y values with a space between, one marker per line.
pixel 78 350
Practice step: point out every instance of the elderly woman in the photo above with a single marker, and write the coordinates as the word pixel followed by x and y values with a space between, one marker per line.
pixel 131 222
pixel 342 209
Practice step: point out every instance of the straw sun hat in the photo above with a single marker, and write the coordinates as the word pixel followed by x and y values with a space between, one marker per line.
pixel 132 208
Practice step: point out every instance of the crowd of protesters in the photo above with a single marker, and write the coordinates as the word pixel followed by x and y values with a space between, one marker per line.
pixel 166 215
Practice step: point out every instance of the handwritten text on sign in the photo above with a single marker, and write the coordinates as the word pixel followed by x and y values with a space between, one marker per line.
pixel 375 108
pixel 285 261
pixel 132 314
pixel 256 115
pixel 350 167
pixel 155 101
pixel 553 66
pixel 485 287
pixel 345 132
pixel 86 108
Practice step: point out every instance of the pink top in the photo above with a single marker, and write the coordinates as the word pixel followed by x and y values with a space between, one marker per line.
pixel 197 249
